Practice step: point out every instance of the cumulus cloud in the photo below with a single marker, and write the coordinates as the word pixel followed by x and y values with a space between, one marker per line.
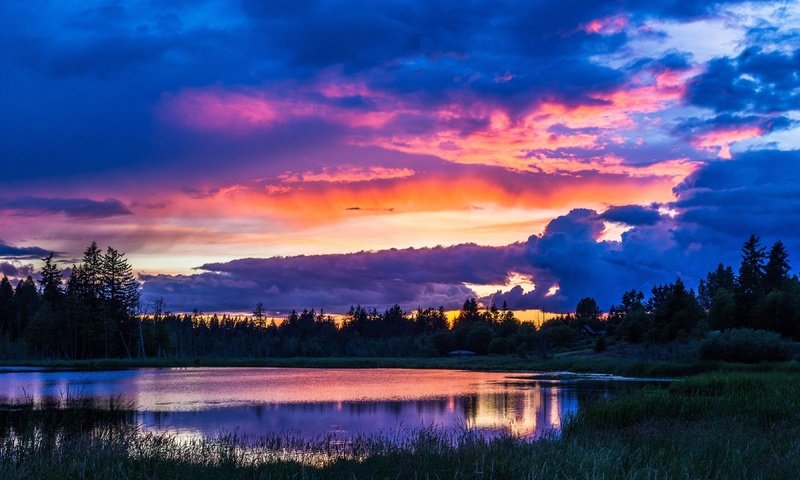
pixel 410 277
pixel 754 81
pixel 633 215
pixel 16 269
pixel 716 208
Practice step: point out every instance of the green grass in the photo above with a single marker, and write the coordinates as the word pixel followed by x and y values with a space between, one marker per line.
pixel 721 425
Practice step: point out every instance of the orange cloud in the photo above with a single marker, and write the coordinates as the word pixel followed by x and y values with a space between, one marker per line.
pixel 344 174
pixel 513 143
pixel 333 201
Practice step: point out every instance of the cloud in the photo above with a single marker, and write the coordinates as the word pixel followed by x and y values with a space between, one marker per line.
pixel 411 277
pixel 633 215
pixel 717 208
pixel 10 251
pixel 754 81
pixel 71 207
pixel 15 270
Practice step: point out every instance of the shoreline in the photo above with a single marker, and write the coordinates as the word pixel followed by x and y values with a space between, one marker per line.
pixel 629 367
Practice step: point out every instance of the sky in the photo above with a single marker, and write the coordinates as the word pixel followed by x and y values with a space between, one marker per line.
pixel 314 153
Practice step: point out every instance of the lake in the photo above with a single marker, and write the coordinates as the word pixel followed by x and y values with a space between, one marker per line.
pixel 309 402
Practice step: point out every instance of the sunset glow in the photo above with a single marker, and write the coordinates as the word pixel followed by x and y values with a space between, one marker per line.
pixel 211 134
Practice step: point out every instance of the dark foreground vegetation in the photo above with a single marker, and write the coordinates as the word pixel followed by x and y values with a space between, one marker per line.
pixel 732 425
pixel 93 311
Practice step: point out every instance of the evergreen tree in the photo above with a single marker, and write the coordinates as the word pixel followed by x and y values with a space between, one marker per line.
pixel 258 312
pixel 750 283
pixel 674 311
pixel 776 272
pixel 120 295
pixel 51 281
pixel 722 277
pixel 8 311
pixel 26 300
pixel 469 313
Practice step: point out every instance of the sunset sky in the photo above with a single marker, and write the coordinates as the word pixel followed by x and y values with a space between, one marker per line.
pixel 325 153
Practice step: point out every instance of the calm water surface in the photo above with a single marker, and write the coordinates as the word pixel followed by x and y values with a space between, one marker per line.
pixel 318 402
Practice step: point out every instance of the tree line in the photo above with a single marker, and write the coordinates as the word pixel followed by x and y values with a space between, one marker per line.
pixel 93 311
pixel 91 314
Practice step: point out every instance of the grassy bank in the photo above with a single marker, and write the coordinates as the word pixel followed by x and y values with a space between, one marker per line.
pixel 578 362
pixel 725 425
pixel 626 367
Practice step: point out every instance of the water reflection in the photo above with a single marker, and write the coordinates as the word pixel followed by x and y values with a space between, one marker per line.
pixel 321 402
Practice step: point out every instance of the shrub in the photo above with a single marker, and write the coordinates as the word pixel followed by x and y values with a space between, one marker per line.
pixel 600 345
pixel 746 346
pixel 559 336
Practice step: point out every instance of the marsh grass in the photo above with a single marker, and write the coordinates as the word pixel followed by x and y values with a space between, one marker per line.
pixel 721 425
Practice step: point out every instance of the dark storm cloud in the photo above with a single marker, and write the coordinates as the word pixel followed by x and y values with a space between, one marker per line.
pixel 10 251
pixel 754 81
pixel 633 215
pixel 411 277
pixel 758 192
pixel 14 270
pixel 767 123
pixel 718 207
pixel 71 207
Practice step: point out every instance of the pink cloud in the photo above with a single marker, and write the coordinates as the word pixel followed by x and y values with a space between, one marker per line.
pixel 220 110
pixel 229 112
pixel 514 142
pixel 720 141
pixel 607 25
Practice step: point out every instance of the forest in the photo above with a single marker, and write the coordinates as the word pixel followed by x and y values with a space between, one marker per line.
pixel 93 310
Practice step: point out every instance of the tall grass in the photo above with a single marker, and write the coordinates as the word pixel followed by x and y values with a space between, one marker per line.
pixel 721 425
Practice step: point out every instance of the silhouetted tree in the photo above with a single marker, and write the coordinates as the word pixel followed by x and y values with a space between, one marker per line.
pixel 750 282
pixel 776 271
pixel 674 311
pixel 258 312
pixel 587 311
pixel 722 311
pixel 51 281
pixel 26 300
pixel 722 277
pixel 8 311
pixel 120 295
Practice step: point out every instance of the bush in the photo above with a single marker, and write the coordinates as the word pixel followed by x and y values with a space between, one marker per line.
pixel 559 336
pixel 746 346
pixel 600 345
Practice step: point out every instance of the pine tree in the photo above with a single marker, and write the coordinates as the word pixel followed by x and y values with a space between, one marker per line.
pixel 8 311
pixel 51 281
pixel 750 283
pixel 26 299
pixel 776 272
pixel 86 284
pixel 120 295
pixel 722 277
